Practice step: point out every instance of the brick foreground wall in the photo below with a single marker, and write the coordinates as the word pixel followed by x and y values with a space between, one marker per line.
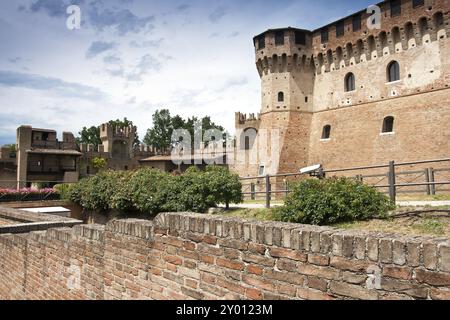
pixel 188 256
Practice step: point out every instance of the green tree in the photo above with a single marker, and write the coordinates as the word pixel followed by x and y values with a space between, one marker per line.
pixel 160 135
pixel 90 136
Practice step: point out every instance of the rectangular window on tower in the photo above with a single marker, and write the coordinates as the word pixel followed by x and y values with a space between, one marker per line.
pixel 396 8
pixel 356 23
pixel 324 35
pixel 279 38
pixel 261 42
pixel 340 29
pixel 300 38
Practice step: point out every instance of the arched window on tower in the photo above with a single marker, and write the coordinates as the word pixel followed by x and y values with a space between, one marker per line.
pixel 393 71
pixel 349 82
pixel 326 132
pixel 280 97
pixel 388 125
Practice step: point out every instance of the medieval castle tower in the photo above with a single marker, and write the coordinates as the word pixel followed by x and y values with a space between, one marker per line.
pixel 350 93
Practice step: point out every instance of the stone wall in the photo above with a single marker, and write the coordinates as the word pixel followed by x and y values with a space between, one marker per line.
pixel 190 256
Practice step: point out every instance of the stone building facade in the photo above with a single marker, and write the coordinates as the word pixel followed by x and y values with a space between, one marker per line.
pixel 349 94
pixel 40 158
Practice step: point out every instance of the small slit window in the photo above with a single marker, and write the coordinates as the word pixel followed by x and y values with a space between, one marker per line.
pixel 393 71
pixel 349 82
pixel 280 97
pixel 388 125
pixel 247 143
pixel 326 132
pixel 279 38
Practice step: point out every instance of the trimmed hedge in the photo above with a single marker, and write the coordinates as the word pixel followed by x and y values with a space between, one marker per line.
pixel 335 200
pixel 150 191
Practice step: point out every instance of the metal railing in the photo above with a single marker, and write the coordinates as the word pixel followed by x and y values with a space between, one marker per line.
pixel 390 180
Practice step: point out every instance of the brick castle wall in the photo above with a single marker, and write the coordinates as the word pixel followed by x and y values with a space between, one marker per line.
pixel 190 256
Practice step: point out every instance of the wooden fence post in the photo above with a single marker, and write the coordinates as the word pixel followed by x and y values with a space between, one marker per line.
pixel 392 188
pixel 427 180
pixel 268 192
pixel 432 179
pixel 253 191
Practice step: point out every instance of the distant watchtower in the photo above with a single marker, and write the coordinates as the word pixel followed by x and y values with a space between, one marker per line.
pixel 117 141
pixel 283 60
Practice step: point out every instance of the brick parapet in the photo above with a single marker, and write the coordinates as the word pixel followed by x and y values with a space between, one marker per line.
pixel 194 256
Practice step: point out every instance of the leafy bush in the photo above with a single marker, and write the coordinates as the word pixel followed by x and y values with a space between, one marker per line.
pixel 64 191
pixel 151 191
pixel 223 186
pixel 329 201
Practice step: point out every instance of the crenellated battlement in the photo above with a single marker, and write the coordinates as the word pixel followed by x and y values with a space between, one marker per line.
pixel 422 28
pixel 243 120
pixel 109 131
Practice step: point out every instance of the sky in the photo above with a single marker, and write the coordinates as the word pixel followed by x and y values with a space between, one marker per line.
pixel 132 57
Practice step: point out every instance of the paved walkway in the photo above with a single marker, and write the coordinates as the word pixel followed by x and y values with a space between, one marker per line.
pixel 423 203
pixel 400 203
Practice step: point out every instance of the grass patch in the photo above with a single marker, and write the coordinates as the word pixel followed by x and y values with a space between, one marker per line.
pixel 258 214
pixel 430 226
pixel 427 225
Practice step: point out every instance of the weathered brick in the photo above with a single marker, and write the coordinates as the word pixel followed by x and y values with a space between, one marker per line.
pixel 235 265
pixel 360 247
pixel 399 252
pixel 258 259
pixel 288 254
pixel 309 294
pixel 350 265
pixel 337 243
pixel 352 291
pixel 397 272
pixel 406 287
pixel 287 290
pixel 318 259
pixel 413 253
pixel 286 265
pixel 440 294
pixel 386 250
pixel 317 271
pixel 444 254
pixel 317 283
pixel 255 269
pixel 253 294
pixel 430 255
pixel 373 248
pixel 259 283
pixel 432 278
pixel 289 277
pixel 354 278
pixel 257 248
pixel 326 242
